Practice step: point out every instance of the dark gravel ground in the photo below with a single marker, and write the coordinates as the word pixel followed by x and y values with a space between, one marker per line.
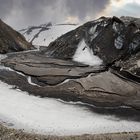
pixel 12 134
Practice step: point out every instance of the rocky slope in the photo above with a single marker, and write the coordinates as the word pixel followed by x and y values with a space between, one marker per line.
pixel 70 81
pixel 11 40
pixel 103 36
pixel 56 72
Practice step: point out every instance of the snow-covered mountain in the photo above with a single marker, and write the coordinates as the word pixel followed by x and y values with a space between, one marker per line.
pixel 43 34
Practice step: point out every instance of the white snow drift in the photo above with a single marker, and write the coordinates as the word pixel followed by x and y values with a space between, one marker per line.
pixel 50 116
pixel 85 55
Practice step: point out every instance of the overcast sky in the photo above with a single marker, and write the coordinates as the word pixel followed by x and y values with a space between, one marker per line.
pixel 22 13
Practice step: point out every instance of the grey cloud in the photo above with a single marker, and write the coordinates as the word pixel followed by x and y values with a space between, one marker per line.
pixel 28 12
pixel 34 10
pixel 19 13
pixel 5 7
pixel 35 7
pixel 83 8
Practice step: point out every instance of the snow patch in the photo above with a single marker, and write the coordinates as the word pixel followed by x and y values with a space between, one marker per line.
pixel 5 68
pixel 50 116
pixel 30 81
pixel 135 43
pixel 138 30
pixel 119 42
pixel 45 37
pixel 93 32
pixel 2 56
pixel 114 26
pixel 85 55
pixel 98 20
pixel 9 69
pixel 138 63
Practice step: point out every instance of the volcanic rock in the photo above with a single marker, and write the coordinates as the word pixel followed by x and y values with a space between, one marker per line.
pixel 11 40
pixel 110 39
pixel 71 81
pixel 52 72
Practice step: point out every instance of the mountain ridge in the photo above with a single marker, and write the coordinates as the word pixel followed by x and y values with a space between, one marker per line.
pixel 11 40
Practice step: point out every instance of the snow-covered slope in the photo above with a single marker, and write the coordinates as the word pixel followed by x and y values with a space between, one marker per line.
pixel 43 34
pixel 51 116
pixel 85 55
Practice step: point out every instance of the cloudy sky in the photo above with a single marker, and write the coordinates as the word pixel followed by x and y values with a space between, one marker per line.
pixel 22 13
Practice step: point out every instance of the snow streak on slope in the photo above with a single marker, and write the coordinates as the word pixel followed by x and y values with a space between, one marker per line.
pixel 85 55
pixel 50 116
pixel 43 34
